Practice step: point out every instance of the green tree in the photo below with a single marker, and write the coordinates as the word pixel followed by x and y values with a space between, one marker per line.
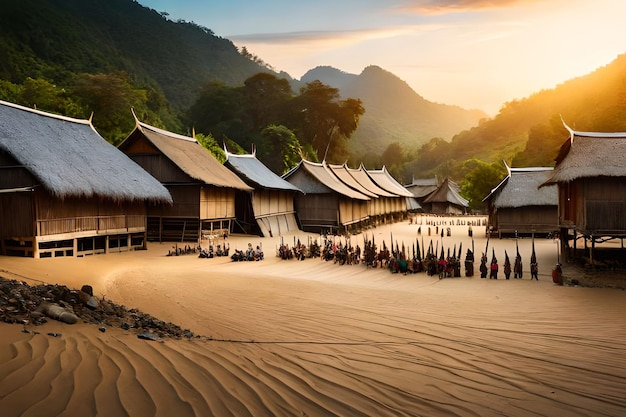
pixel 480 180
pixel 264 97
pixel 110 97
pixel 41 94
pixel 218 111
pixel 282 149
pixel 324 122
pixel 210 144
pixel 394 158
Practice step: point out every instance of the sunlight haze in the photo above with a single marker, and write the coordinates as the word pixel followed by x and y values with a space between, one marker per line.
pixel 475 54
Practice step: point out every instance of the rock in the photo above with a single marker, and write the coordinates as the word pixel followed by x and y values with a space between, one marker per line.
pixel 102 329
pixel 54 334
pixel 148 336
pixel 57 312
pixel 88 300
pixel 88 289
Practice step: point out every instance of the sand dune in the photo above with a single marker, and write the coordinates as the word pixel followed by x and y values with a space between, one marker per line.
pixel 314 338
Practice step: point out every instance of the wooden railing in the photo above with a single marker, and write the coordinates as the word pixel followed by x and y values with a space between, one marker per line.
pixel 90 223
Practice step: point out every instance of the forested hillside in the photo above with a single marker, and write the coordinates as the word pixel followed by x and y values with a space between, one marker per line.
pixel 56 39
pixel 394 112
pixel 526 132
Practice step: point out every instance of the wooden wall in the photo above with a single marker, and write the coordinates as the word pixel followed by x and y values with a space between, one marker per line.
pixel 601 206
pixel 541 219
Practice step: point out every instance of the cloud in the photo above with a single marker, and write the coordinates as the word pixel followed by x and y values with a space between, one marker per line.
pixel 346 36
pixel 432 7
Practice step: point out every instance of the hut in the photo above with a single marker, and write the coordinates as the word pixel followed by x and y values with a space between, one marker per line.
pixel 446 199
pixel 422 187
pixel 269 209
pixel 327 203
pixel 65 191
pixel 518 205
pixel 404 199
pixel 591 178
pixel 203 190
pixel 374 209
pixel 382 208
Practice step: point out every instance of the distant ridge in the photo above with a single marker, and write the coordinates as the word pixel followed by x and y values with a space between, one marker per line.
pixel 394 112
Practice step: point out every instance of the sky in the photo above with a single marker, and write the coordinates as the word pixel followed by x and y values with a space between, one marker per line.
pixel 477 54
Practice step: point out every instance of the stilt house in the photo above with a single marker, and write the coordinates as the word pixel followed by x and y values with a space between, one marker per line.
pixel 65 191
pixel 269 209
pixel 202 188
pixel 518 205
pixel 591 177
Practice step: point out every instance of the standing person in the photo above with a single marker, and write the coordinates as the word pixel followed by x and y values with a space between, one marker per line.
pixel 507 266
pixel 483 266
pixel 494 270
pixel 534 270
pixel 494 267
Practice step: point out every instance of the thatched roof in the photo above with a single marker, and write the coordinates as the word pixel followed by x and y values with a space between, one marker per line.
pixel 384 180
pixel 255 173
pixel 589 155
pixel 520 188
pixel 71 159
pixel 194 160
pixel 447 192
pixel 421 187
pixel 360 175
pixel 323 176
pixel 341 172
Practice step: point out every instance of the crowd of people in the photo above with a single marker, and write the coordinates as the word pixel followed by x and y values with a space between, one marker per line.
pixel 396 258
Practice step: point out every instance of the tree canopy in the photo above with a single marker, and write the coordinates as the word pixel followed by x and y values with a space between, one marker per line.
pixel 265 114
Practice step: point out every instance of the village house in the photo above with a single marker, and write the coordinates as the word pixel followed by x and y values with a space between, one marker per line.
pixel 518 206
pixel 591 177
pixel 269 209
pixel 65 191
pixel 404 199
pixel 203 190
pixel 327 203
pixel 446 199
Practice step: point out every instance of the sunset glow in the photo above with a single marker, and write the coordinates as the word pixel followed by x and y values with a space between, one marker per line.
pixel 475 54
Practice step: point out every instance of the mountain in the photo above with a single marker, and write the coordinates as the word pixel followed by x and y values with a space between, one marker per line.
pixel 55 39
pixel 529 131
pixel 394 112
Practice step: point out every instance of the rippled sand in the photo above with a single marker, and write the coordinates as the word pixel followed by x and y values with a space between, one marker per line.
pixel 315 338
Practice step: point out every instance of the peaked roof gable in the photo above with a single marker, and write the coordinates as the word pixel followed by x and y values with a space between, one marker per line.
pixel 249 168
pixel 319 172
pixel 589 155
pixel 447 192
pixel 341 172
pixel 520 188
pixel 360 175
pixel 383 179
pixel 195 161
pixel 71 159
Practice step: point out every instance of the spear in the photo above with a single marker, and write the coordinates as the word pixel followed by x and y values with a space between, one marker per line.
pixel 419 255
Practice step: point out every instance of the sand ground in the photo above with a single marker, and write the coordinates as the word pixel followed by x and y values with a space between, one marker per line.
pixel 316 338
